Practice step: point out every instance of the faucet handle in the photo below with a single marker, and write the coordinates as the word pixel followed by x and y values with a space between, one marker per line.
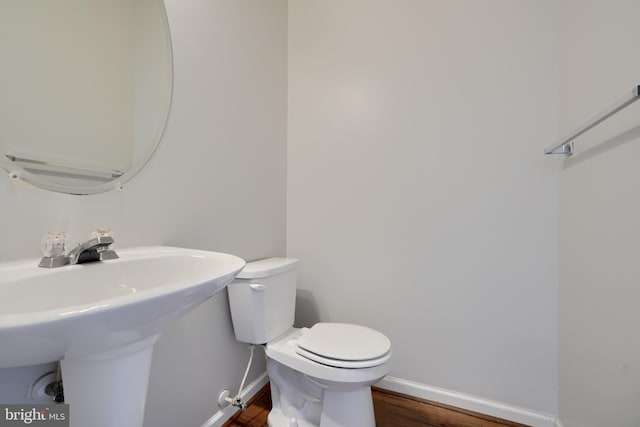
pixel 55 244
pixel 101 232
pixel 101 238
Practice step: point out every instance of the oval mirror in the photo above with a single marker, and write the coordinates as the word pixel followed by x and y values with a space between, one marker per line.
pixel 85 90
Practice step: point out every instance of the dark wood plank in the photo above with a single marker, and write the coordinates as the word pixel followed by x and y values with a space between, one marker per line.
pixel 392 410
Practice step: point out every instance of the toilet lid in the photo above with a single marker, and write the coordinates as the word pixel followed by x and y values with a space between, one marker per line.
pixel 344 345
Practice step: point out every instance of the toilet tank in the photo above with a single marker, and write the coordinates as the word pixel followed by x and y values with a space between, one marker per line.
pixel 262 299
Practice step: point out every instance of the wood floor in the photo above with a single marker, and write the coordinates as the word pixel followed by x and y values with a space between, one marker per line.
pixel 392 410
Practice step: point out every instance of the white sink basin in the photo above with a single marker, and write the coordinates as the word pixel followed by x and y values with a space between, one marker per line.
pixel 108 310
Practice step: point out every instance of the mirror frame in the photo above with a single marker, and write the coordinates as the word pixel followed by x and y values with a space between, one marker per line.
pixel 16 172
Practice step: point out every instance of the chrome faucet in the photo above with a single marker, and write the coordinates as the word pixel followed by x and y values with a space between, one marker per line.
pixel 95 249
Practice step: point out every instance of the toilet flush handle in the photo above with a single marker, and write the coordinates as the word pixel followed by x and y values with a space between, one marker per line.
pixel 257 287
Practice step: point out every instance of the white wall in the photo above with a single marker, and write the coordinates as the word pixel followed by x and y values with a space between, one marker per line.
pixel 217 182
pixel 419 200
pixel 599 210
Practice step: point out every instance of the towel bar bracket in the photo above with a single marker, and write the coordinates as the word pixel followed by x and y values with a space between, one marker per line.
pixel 566 149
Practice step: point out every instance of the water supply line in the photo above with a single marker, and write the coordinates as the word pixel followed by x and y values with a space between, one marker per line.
pixel 55 388
pixel 237 401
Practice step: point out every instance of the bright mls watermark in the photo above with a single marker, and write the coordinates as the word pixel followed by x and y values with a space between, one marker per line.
pixel 54 415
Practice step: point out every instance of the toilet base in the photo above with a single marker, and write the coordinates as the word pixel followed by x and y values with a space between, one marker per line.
pixel 300 400
pixel 348 408
pixel 339 409
pixel 278 419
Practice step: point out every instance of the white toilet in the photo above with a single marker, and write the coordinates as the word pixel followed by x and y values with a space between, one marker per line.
pixel 320 376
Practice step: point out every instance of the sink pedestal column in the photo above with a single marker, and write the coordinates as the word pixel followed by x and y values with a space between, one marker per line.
pixel 108 389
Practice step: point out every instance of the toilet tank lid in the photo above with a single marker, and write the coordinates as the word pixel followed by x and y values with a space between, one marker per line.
pixel 267 267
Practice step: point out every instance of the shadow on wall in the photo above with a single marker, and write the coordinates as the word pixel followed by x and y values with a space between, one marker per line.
pixel 614 142
pixel 307 313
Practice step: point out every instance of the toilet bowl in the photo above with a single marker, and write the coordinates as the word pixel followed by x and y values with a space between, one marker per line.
pixel 320 376
pixel 333 392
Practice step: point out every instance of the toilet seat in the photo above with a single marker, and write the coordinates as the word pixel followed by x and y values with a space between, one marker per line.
pixel 344 345
pixel 283 350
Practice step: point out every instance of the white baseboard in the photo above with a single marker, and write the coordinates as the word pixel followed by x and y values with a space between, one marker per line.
pixel 470 403
pixel 227 412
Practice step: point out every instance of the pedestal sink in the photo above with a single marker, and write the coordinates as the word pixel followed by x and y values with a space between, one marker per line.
pixel 101 320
